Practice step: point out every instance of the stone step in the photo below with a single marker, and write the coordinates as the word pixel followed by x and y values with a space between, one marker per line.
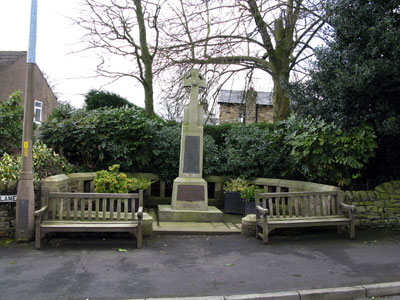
pixel 196 228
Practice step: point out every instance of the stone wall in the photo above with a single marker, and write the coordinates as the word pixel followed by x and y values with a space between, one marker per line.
pixel 7 220
pixel 265 113
pixel 229 113
pixel 377 208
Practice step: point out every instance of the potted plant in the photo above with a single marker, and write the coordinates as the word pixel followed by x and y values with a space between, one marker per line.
pixel 233 202
pixel 248 194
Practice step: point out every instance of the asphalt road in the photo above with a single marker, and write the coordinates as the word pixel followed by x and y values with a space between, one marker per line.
pixel 98 267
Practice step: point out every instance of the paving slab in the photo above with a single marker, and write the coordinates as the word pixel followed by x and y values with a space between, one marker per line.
pixel 195 227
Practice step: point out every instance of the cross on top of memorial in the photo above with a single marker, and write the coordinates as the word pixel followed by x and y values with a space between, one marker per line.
pixel 194 80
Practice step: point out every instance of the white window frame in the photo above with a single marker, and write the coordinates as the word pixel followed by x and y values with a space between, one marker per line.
pixel 38 111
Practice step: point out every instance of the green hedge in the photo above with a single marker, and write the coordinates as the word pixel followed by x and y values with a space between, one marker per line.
pixel 11 115
pixel 304 149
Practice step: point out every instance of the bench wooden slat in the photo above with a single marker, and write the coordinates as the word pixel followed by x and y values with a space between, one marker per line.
pixel 97 209
pixel 82 209
pixel 60 208
pixel 104 209
pixel 68 204
pixel 89 209
pixel 92 195
pixel 111 208
pixel 126 207
pixel 75 209
pixel 271 207
pixel 118 209
pixel 277 212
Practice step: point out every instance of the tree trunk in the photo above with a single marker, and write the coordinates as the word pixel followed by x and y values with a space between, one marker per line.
pixel 148 97
pixel 280 99
pixel 147 61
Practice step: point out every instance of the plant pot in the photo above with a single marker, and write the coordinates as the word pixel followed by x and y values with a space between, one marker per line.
pixel 234 204
pixel 250 208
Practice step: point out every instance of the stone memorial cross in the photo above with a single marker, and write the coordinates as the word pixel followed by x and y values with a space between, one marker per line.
pixel 189 192
pixel 194 80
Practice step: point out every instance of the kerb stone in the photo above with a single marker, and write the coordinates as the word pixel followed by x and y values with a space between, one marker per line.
pixel 383 289
pixel 333 293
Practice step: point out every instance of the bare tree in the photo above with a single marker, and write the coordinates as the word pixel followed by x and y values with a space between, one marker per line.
pixel 125 34
pixel 272 36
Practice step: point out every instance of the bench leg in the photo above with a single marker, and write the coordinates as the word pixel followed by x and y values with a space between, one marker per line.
pixel 257 230
pixel 265 233
pixel 139 236
pixel 352 230
pixel 38 236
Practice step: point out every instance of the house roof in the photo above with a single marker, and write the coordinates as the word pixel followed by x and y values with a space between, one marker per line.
pixel 8 57
pixel 236 97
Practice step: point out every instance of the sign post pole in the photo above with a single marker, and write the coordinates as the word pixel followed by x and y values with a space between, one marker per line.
pixel 25 194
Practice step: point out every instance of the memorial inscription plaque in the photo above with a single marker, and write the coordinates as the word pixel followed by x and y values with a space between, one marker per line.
pixel 190 193
pixel 192 155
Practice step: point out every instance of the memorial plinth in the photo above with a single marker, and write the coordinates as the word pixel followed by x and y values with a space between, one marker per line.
pixel 189 192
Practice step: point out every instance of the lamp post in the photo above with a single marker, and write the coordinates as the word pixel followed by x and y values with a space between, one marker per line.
pixel 25 194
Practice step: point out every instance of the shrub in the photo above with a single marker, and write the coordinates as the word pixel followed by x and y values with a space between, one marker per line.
pixel 100 99
pixel 250 152
pixel 249 192
pixel 9 168
pixel 113 181
pixel 95 139
pixel 166 150
pixel 235 185
pixel 322 152
pixel 11 116
pixel 45 163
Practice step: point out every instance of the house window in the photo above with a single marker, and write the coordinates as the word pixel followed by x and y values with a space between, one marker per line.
pixel 38 111
pixel 240 118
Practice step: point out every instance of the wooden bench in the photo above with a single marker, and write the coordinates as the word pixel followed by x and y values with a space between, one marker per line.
pixel 302 209
pixel 89 212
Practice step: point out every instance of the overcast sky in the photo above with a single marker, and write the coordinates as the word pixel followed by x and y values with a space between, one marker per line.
pixel 57 37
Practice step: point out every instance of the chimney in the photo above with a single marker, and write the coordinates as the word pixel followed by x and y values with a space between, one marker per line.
pixel 251 106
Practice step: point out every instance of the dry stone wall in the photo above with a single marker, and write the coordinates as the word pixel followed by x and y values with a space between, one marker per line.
pixel 7 220
pixel 377 208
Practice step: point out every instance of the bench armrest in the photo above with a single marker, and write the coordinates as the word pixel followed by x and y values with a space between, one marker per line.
pixel 40 212
pixel 347 207
pixel 263 211
pixel 140 213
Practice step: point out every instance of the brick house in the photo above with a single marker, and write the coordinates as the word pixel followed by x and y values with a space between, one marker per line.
pixel 245 107
pixel 13 69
